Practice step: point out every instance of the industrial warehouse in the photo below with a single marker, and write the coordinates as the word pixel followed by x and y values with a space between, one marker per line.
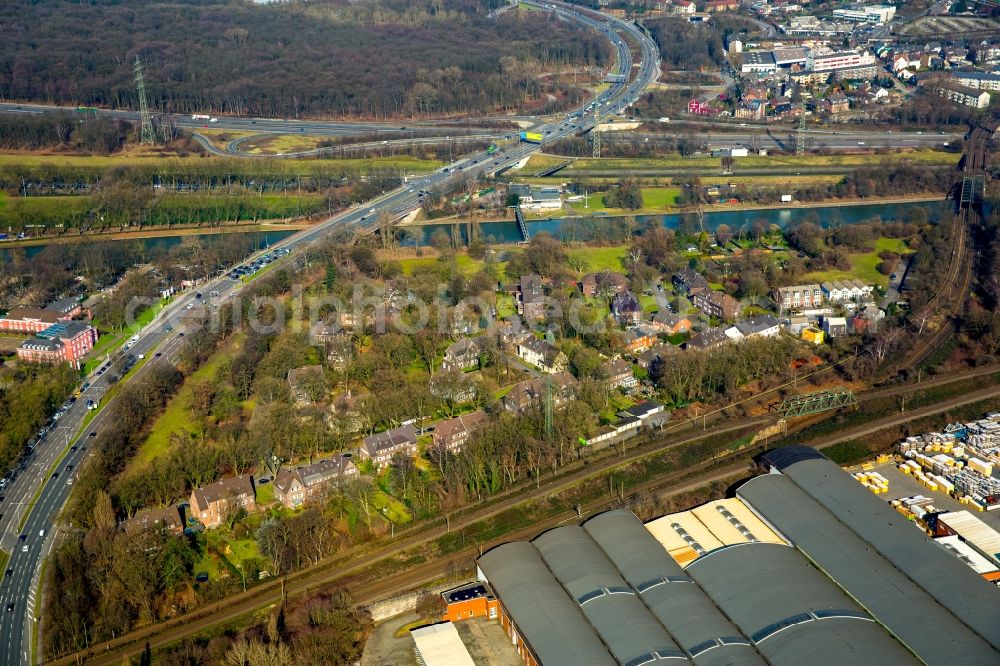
pixel 803 566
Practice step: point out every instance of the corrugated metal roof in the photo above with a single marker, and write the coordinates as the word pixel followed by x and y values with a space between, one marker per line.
pixel 551 623
pixel 774 596
pixel 924 626
pixel 963 551
pixel 440 645
pixel 693 620
pixel 789 455
pixel 983 538
pixel 956 587
pixel 680 531
pixel 624 623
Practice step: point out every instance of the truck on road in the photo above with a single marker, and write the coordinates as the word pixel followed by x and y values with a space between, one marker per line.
pixel 531 137
pixel 200 116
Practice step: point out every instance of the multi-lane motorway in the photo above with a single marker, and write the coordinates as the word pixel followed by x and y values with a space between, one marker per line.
pixel 161 340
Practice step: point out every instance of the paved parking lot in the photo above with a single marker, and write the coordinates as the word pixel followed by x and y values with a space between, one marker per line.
pixel 904 485
pixel 484 639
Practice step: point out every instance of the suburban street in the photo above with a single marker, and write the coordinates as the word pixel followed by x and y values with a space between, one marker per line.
pixel 164 335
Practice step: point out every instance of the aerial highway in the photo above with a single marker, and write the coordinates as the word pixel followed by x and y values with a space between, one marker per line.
pixel 160 341
pixel 275 125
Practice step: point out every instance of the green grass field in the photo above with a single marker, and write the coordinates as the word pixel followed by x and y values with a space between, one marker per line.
pixel 583 165
pixel 600 258
pixel 654 200
pixel 169 208
pixel 175 417
pixel 864 265
pixel 304 166
pixel 466 264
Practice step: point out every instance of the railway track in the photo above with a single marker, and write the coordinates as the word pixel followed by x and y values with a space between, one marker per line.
pixel 954 289
pixel 351 568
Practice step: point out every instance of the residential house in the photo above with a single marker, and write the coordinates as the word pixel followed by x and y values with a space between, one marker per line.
pixel 708 339
pixel 531 297
pixel 639 339
pixel 625 308
pixel 345 416
pixel 594 284
pixel 671 324
pixel 305 383
pixel 840 291
pixel 451 434
pixel 834 326
pixel 866 319
pixel 684 7
pixel 63 342
pixel 619 374
pixel 798 297
pixel 212 504
pixel 977 99
pixel 796 323
pixel 542 354
pixel 532 391
pixel 761 326
pixel 712 6
pixel 837 103
pixel 717 304
pixel 511 334
pixel 382 446
pixel 645 359
pixel 688 282
pixel 168 518
pixel 294 487
pixel 461 355
pixel 339 351
pixel 323 332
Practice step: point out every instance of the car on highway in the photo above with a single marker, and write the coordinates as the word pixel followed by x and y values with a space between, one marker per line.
pixel 10 607
pixel 72 448
pixel 69 467
pixel 10 572
pixel 55 475
pixel 22 538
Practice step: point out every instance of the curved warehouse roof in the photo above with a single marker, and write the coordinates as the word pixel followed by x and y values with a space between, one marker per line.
pixel 922 624
pixel 955 586
pixel 678 603
pixel 549 620
pixel 792 612
pixel 624 623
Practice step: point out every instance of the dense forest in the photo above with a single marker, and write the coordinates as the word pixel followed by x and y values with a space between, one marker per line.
pixel 686 45
pixel 440 56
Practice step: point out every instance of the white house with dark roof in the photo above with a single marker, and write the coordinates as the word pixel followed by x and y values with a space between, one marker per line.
pixel 542 354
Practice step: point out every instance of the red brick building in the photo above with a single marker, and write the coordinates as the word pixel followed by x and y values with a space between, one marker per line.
pixel 63 342
pixel 469 601
pixel 36 320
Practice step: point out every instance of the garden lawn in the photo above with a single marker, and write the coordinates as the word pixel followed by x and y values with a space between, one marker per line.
pixel 265 494
pixel 391 508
